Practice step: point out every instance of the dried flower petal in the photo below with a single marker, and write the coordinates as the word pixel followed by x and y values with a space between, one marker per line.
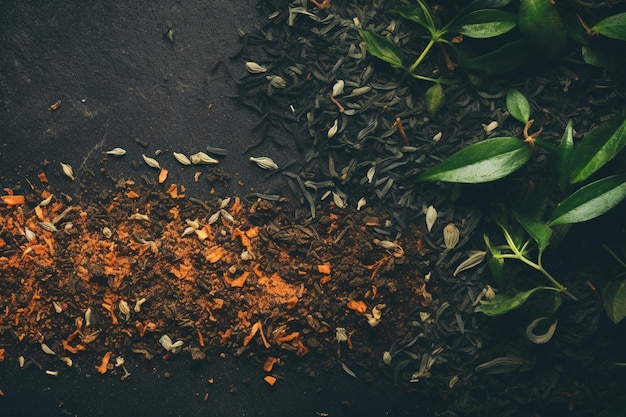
pixel 124 309
pixel 450 236
pixel 341 334
pixel 264 162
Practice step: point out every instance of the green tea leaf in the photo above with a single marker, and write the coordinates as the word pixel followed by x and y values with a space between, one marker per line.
pixel 487 23
pixel 614 300
pixel 591 201
pixel 434 99
pixel 382 48
pixel 517 105
pixel 597 148
pixel 542 27
pixel 504 59
pixel 563 156
pixel 612 27
pixel 484 161
pixel 537 229
pixel 502 304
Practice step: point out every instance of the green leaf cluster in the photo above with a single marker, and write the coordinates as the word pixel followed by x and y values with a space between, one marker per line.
pixel 576 167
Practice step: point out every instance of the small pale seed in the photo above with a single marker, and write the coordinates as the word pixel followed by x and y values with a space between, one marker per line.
pixel 181 158
pixel 117 152
pixel 68 171
pixel 151 162
pixel 202 158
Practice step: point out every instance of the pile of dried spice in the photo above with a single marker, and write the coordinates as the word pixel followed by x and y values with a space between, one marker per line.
pixel 155 273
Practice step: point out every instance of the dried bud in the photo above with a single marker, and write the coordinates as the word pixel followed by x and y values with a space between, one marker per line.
pixel 264 162
pixel 450 236
pixel 490 294
pixel 431 217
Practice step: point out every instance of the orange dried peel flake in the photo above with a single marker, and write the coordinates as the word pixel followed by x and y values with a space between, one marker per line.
pixel 358 306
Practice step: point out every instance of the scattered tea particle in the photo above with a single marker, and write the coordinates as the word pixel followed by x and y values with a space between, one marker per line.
pixel 270 380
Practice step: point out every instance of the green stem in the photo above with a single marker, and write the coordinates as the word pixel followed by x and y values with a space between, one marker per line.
pixel 517 254
pixel 422 55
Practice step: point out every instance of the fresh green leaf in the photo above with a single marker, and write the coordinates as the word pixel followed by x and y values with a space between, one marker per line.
pixel 517 105
pixel 614 300
pixel 563 156
pixel 434 99
pixel 595 56
pixel 502 304
pixel 507 58
pixel 382 48
pixel 612 27
pixel 542 27
pixel 537 229
pixel 597 148
pixel 591 201
pixel 484 161
pixel 484 23
pixel 414 13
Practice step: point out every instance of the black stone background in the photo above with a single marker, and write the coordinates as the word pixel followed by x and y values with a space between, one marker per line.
pixel 119 79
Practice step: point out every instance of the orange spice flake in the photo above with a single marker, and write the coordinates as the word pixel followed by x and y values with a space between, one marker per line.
pixel 269 364
pixel 270 380
pixel 132 194
pixel 324 268
pixel 102 368
pixel 162 175
pixel 358 306
pixel 13 200
pixel 240 281
pixel 42 178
